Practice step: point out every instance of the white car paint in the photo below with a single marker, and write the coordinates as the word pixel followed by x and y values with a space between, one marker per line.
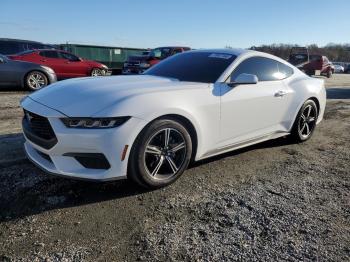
pixel 224 118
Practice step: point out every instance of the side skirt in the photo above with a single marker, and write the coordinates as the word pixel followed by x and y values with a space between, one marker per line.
pixel 242 144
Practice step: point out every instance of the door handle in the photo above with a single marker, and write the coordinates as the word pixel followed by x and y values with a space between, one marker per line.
pixel 43 60
pixel 280 93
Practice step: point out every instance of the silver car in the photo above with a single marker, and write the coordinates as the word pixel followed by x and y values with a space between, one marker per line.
pixel 24 74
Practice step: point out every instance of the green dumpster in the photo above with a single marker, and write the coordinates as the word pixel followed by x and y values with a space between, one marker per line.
pixel 113 57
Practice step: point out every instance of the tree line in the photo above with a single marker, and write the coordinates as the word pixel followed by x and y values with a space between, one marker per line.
pixel 334 52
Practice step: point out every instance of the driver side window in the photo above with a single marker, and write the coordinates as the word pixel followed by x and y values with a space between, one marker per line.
pixel 69 57
pixel 264 68
pixel 49 54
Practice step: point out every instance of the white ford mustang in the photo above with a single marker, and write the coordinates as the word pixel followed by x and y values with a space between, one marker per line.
pixel 149 127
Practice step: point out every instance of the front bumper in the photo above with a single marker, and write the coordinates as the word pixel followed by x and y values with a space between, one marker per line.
pixel 59 159
pixel 132 70
pixel 52 77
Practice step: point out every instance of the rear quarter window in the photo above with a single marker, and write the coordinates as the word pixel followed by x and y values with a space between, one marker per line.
pixel 285 70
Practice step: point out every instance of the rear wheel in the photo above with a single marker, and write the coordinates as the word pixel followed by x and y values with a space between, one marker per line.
pixel 305 122
pixel 160 154
pixel 36 80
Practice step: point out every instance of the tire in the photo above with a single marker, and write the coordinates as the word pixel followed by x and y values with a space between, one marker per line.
pixel 154 163
pixel 35 80
pixel 310 72
pixel 305 122
pixel 97 72
pixel 329 74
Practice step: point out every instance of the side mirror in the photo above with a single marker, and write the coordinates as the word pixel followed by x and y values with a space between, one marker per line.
pixel 244 79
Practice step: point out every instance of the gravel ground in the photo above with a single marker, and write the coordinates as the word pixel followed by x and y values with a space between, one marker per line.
pixel 272 201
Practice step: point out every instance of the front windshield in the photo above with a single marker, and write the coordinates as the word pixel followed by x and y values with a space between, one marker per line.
pixel 160 53
pixel 204 67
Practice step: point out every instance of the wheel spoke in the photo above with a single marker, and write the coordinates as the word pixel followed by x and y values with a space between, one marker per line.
pixel 165 153
pixel 307 128
pixel 311 119
pixel 303 117
pixel 156 169
pixel 302 129
pixel 172 164
pixel 166 136
pixel 178 147
pixel 154 150
pixel 308 112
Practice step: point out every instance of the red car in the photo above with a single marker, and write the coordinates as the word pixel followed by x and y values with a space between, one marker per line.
pixel 138 64
pixel 310 64
pixel 65 65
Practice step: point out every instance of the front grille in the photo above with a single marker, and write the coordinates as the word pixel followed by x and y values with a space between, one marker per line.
pixel 133 63
pixel 40 125
pixel 38 130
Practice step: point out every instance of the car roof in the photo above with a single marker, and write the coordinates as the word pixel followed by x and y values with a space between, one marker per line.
pixel 19 40
pixel 229 51
pixel 172 47
pixel 46 49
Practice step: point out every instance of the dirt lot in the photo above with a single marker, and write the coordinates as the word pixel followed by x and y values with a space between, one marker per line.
pixel 273 201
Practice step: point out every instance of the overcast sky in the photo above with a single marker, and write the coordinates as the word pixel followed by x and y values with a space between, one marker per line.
pixel 194 23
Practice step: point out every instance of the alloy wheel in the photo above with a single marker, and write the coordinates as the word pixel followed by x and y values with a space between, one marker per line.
pixel 96 72
pixel 36 81
pixel 165 154
pixel 307 121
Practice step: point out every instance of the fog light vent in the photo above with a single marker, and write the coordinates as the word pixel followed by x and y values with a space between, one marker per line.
pixel 91 160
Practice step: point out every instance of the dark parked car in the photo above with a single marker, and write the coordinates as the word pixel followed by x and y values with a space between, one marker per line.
pixel 65 65
pixel 311 64
pixel 14 46
pixel 24 74
pixel 138 64
pixel 347 69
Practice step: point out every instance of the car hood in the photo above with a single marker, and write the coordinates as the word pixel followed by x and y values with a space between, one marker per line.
pixel 93 63
pixel 83 97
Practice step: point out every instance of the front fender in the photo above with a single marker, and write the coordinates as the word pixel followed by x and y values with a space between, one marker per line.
pixel 199 106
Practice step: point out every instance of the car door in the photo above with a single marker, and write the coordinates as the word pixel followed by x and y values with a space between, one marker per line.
pixel 73 66
pixel 8 72
pixel 252 111
pixel 51 59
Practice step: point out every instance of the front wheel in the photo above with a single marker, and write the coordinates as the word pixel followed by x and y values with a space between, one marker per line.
pixel 305 122
pixel 160 154
pixel 97 72
pixel 36 80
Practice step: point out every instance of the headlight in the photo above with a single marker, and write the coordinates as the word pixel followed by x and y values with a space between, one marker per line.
pixel 84 122
pixel 145 65
pixel 48 69
pixel 104 66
